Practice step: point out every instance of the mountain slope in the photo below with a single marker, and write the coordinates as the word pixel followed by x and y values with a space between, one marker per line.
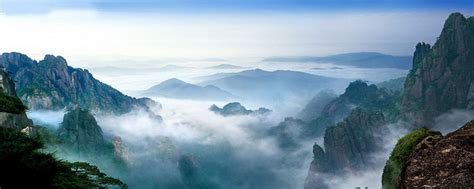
pixel 52 84
pixel 174 88
pixel 442 76
pixel 358 59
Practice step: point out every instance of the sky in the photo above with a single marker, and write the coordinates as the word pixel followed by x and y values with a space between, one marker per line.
pixel 87 30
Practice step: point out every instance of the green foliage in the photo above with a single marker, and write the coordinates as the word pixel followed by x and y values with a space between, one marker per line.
pixel 371 98
pixel 24 166
pixel 400 154
pixel 11 104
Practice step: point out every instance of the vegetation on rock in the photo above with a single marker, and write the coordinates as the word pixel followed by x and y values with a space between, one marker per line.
pixel 24 166
pixel 403 149
pixel 11 104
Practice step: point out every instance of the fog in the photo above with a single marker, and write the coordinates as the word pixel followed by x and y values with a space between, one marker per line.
pixel 228 152
pixel 225 152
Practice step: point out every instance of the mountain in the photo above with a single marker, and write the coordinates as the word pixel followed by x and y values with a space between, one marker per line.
pixel 358 59
pixel 12 110
pixel 235 108
pixel 23 162
pixel 226 66
pixel 275 86
pixel 52 84
pixel 348 146
pixel 316 105
pixel 81 132
pixel 442 76
pixel 174 88
pixel 432 160
pixel 326 111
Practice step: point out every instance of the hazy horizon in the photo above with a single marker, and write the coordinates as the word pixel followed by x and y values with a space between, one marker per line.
pixel 91 32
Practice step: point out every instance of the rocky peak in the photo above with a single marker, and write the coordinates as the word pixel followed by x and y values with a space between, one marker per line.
pixel 12 62
pixel 442 77
pixel 80 130
pixel 54 61
pixel 349 146
pixel 350 143
pixel 52 84
pixel 235 108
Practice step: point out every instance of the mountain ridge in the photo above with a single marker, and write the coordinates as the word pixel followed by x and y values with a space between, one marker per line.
pixel 357 59
pixel 52 84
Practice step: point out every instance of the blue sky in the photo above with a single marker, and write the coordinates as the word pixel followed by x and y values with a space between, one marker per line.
pixel 199 6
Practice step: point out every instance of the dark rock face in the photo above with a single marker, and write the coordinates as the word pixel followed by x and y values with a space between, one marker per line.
pixel 348 146
pixel 12 111
pixel 442 76
pixel 235 108
pixel 350 143
pixel 7 86
pixel 79 130
pixel 365 96
pixel 52 84
pixel 442 162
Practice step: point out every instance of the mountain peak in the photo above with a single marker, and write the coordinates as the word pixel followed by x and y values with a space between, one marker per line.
pixel 54 60
pixel 173 81
pixel 441 75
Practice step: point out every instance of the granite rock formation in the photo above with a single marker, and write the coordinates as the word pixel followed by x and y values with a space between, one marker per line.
pixel 80 132
pixel 442 76
pixel 348 146
pixel 52 84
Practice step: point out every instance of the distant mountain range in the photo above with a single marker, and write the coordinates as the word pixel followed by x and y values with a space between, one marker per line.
pixel 358 59
pixel 175 88
pixel 275 86
pixel 226 66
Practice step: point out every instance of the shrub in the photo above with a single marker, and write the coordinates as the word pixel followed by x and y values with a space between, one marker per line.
pixel 400 154
pixel 11 104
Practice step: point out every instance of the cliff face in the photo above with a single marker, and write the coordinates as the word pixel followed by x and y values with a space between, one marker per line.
pixel 348 146
pixel 442 161
pixel 442 76
pixel 52 84
pixel 12 111
pixel 350 143
pixel 80 131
